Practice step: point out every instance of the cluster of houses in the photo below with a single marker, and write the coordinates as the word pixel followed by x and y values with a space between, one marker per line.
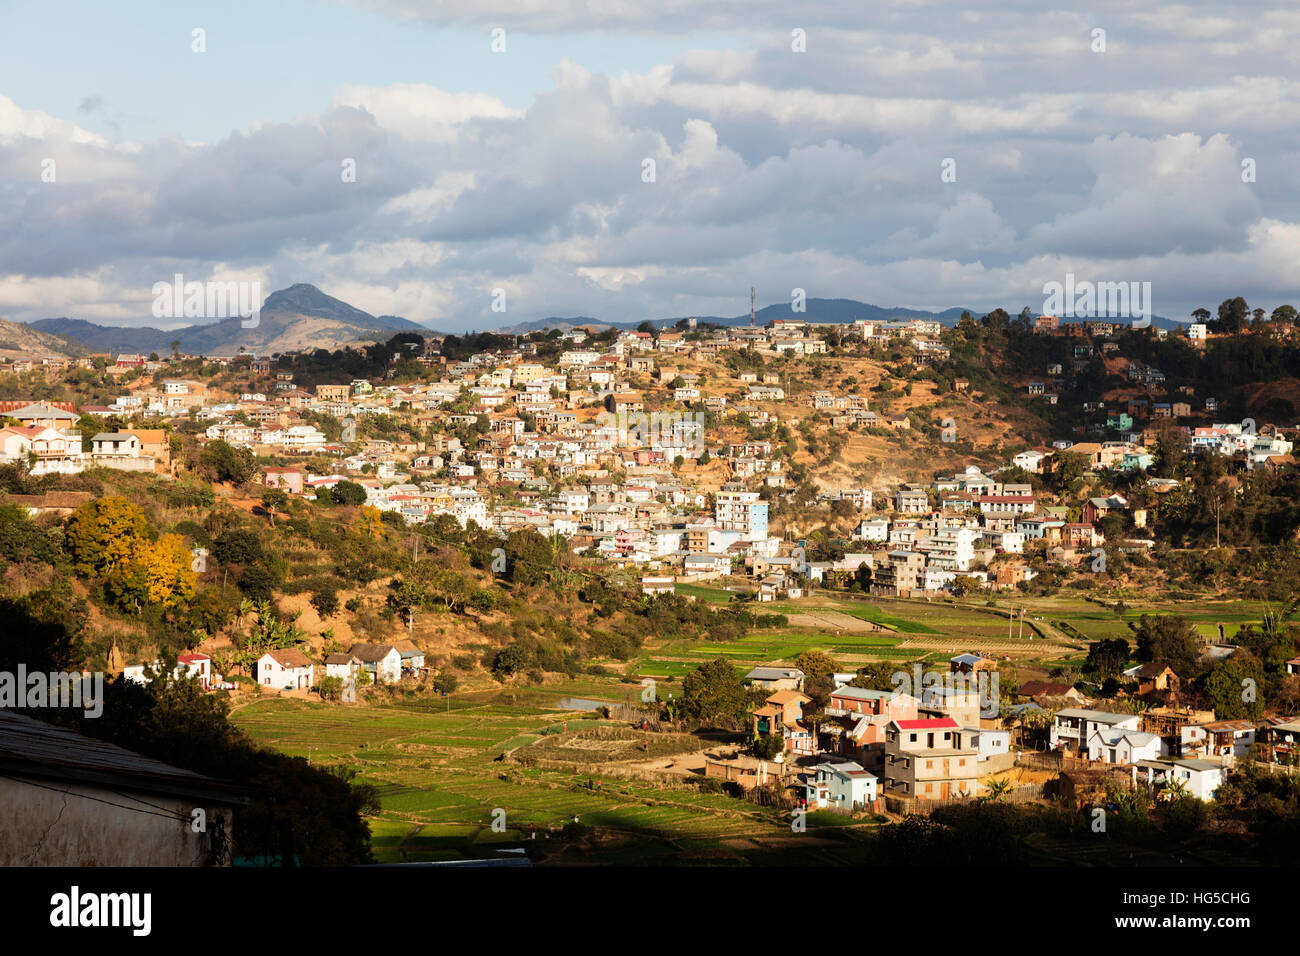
pixel 290 669
pixel 47 436
pixel 868 743
pixel 567 447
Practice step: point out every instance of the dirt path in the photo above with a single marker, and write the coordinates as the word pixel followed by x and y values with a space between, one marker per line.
pixel 836 621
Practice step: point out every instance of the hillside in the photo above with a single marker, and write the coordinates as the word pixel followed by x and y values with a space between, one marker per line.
pixel 18 340
pixel 299 317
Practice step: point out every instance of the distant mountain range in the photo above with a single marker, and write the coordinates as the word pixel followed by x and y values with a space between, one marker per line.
pixel 822 311
pixel 302 317
pixel 298 318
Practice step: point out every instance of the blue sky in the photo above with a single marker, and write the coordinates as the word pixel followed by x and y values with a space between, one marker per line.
pixel 126 158
pixel 271 61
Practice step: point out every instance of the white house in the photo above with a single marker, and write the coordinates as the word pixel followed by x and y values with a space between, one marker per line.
pixel 187 665
pixel 1073 726
pixel 1201 778
pixel 872 529
pixel 840 785
pixel 342 666
pixel 1116 745
pixel 382 661
pixel 286 669
pixel 991 743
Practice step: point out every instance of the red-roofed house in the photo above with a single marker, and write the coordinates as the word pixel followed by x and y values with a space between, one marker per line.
pixel 933 758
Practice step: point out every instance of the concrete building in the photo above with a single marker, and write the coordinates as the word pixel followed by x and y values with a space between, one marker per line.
pixel 68 800
pixel 931 759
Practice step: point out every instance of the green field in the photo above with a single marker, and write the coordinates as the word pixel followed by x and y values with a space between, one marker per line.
pixel 434 761
pixel 440 787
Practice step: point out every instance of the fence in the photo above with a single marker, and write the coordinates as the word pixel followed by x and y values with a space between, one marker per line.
pixel 1026 793
pixel 1052 760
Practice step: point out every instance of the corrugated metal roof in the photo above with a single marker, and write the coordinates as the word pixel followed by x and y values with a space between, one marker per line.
pixel 31 748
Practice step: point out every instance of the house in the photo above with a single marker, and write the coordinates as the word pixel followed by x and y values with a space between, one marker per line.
pixel 120 451
pixel 1200 778
pixel 775 678
pixel 1039 689
pixel 285 669
pixel 342 666
pixel 1230 739
pixel 1073 727
pixel 653 586
pixel 287 479
pixel 383 662
pixel 991 743
pixel 412 657
pixel 912 502
pixel 782 713
pixel 971 663
pixel 44 415
pixel 1119 745
pixel 71 801
pixel 839 785
pixel 198 666
pixel 1156 677
pixel 931 758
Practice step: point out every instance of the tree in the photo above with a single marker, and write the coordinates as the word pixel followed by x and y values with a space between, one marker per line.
pixel 1232 315
pixel 1216 497
pixel 714 692
pixel 445 683
pixel 1168 639
pixel 1233 687
pixel 509 660
pixel 406 597
pixel 157 572
pixel 326 601
pixel 102 534
pixel 227 463
pixel 1106 658
pixel 1068 468
pixel 349 493
pixel 816 664
pixel 237 546
pixel 273 500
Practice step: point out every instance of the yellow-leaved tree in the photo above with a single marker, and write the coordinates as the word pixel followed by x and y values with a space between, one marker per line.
pixel 101 535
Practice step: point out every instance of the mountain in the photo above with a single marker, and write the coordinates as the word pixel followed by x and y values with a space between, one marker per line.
pixel 298 318
pixel 822 311
pixel 18 340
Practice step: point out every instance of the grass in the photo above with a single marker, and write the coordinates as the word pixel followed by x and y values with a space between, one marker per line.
pixel 440 782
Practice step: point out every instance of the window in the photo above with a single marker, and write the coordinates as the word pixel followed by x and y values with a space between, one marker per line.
pixel 929 765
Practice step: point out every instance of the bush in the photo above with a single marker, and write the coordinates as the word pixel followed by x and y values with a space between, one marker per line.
pixel 325 601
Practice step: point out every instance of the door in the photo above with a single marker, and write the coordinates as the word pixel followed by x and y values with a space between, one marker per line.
pixel 945 789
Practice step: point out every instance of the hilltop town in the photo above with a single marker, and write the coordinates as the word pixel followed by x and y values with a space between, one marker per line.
pixel 754 528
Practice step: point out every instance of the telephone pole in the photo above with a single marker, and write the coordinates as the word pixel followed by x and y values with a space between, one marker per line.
pixel 751 306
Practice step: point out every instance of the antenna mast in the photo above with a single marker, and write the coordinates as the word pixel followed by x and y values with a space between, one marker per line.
pixel 751 306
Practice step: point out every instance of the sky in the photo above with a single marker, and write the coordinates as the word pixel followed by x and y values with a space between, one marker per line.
pixel 633 161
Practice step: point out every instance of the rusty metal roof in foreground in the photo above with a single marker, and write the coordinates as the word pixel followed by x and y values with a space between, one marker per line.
pixel 33 749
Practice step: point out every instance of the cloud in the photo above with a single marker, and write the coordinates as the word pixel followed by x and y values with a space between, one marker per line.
pixel 817 170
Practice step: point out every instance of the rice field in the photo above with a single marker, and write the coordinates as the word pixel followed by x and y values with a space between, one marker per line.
pixel 445 796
